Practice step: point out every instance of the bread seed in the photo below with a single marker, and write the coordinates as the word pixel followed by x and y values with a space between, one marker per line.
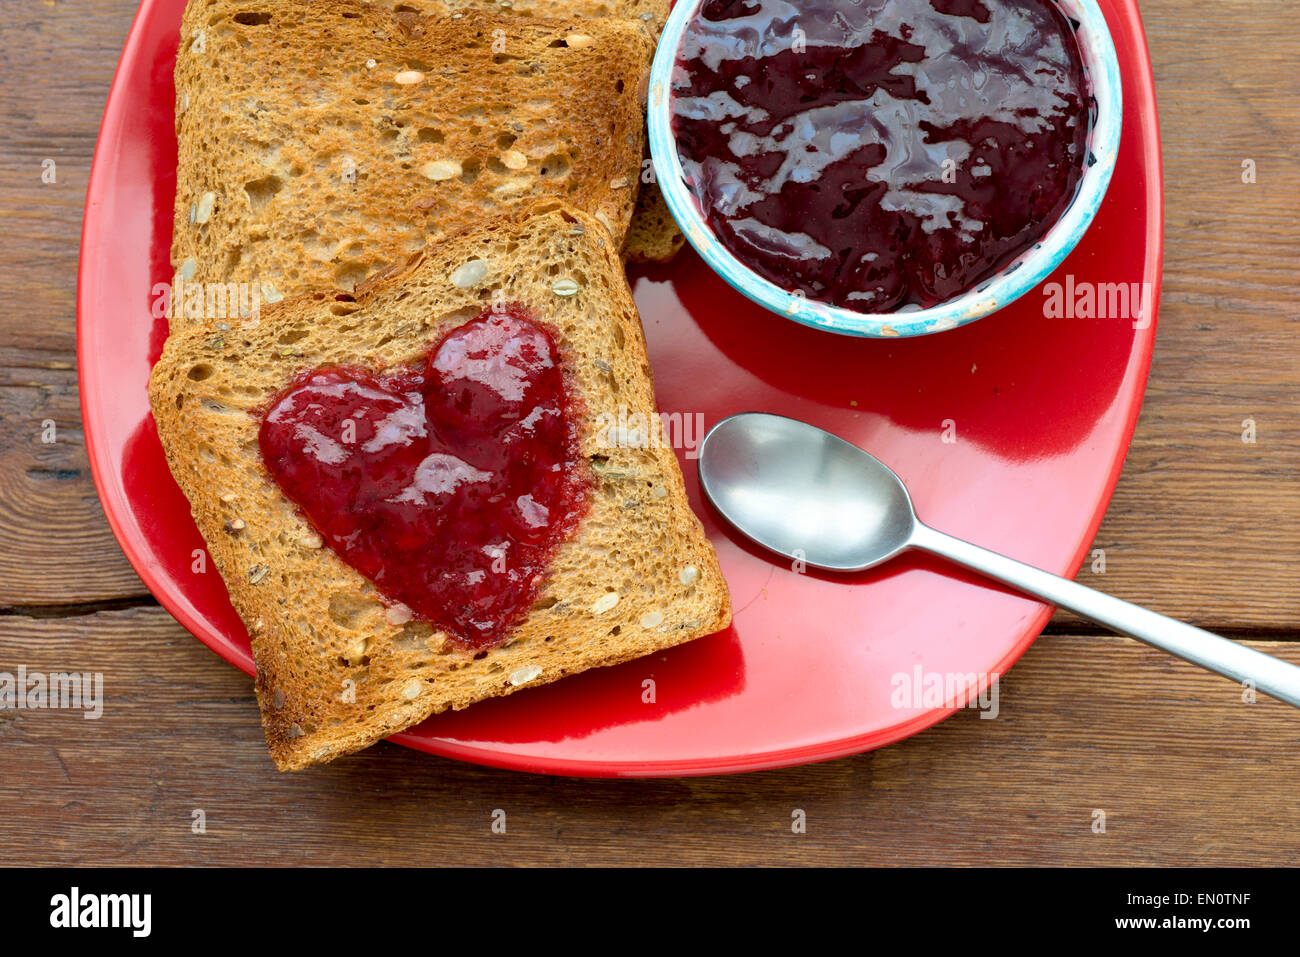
pixel 469 274
pixel 658 492
pixel 413 688
pixel 258 572
pixel 604 603
pixel 618 183
pixel 235 526
pixel 564 287
pixel 277 699
pixel 438 170
pixel 357 651
pixel 203 211
pixel 604 221
pixel 651 619
pixel 513 159
pixel 397 614
pixel 311 540
pixel 524 675
pixel 229 497
pixel 269 292
pixel 407 77
pixel 689 575
pixel 188 269
pixel 579 41
pixel 370 64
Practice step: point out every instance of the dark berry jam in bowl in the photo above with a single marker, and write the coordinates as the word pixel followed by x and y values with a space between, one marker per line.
pixel 884 167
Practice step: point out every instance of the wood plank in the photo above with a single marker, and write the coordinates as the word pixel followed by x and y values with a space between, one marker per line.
pixel 1203 526
pixel 1185 772
pixel 71 50
pixel 55 546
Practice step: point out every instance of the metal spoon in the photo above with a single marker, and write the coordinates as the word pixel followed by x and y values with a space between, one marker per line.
pixel 812 497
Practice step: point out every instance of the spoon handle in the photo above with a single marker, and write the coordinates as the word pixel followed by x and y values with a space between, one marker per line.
pixel 1271 675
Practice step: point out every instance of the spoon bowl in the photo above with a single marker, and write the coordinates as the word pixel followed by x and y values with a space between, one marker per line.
pixel 804 493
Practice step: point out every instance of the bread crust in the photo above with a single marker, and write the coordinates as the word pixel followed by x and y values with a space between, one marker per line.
pixel 334 673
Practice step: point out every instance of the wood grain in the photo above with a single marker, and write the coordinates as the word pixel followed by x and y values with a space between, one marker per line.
pixel 1202 526
pixel 55 547
pixel 57 60
pixel 1184 771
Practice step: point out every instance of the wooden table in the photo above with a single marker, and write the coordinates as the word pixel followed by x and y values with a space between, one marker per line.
pixel 1203 527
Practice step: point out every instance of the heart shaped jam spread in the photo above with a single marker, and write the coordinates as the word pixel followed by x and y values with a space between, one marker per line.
pixel 449 483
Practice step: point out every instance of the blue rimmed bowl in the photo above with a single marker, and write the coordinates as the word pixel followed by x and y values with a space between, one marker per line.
pixel 1102 67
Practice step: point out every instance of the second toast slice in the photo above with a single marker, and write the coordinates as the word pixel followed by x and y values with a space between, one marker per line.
pixel 321 142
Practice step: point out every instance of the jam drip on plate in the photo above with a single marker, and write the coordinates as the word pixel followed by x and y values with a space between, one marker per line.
pixel 449 483
pixel 881 154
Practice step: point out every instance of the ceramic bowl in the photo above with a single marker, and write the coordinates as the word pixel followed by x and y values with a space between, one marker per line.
pixel 1102 67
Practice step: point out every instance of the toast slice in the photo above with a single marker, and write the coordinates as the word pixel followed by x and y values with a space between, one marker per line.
pixel 318 626
pixel 322 141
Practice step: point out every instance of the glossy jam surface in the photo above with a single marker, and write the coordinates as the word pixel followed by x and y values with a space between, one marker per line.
pixel 449 484
pixel 885 153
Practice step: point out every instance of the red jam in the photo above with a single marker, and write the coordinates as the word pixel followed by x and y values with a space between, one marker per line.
pixel 449 484
pixel 881 154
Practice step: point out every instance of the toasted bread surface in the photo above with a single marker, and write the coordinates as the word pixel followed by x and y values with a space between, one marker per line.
pixel 319 142
pixel 335 673
pixel 651 12
pixel 653 236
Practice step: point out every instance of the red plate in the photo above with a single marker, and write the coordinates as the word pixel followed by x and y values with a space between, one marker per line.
pixel 1042 410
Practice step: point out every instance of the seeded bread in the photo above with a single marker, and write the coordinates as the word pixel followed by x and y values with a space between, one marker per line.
pixel 653 236
pixel 638 575
pixel 302 166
